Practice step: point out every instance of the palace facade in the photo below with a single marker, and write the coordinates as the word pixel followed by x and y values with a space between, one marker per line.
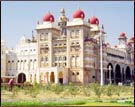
pixel 68 52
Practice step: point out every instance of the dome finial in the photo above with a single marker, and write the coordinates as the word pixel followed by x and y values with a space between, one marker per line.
pixel 62 10
pixel 78 7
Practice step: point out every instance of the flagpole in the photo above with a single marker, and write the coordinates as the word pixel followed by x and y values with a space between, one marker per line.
pixel 101 58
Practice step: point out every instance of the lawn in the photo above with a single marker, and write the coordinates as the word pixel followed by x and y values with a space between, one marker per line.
pixel 54 95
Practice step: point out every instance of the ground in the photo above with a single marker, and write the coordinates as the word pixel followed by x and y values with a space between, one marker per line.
pixel 88 95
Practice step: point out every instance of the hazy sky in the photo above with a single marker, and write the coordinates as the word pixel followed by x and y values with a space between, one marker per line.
pixel 20 17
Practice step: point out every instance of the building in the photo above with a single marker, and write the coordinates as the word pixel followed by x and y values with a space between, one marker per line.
pixel 70 52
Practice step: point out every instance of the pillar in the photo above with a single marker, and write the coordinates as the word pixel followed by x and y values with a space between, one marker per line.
pixel 56 77
pixel 114 75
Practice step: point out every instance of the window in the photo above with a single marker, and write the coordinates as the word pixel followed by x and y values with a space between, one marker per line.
pixel 55 64
pixel 8 61
pixel 64 64
pixel 64 58
pixel 77 73
pixel 93 76
pixel 77 32
pixel 55 58
pixel 46 58
pixel 73 73
pixel 77 43
pixel 59 58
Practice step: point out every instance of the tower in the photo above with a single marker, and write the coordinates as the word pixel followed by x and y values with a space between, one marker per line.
pixel 62 22
pixel 122 39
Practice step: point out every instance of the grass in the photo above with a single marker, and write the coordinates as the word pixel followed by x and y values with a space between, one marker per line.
pixel 59 103
pixel 105 104
pixel 53 95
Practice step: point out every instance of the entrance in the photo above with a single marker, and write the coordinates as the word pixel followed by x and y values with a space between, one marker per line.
pixel 60 76
pixel 21 78
pixel 52 79
pixel 128 75
pixel 117 74
pixel 110 75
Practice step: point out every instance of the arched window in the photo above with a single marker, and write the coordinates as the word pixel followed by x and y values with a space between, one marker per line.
pixel 65 58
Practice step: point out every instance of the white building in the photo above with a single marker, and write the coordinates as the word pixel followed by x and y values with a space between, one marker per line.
pixel 69 52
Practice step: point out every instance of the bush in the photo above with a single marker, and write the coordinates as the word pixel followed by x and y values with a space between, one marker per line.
pixel 72 90
pixel 86 90
pixel 57 88
pixel 97 89
pixel 4 86
pixel 15 90
pixel 109 90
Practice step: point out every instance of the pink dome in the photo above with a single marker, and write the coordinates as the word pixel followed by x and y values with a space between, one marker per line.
pixel 48 17
pixel 115 46
pixel 122 35
pixel 78 14
pixel 93 20
pixel 132 38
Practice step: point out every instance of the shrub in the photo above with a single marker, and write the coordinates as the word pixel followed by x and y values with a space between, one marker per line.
pixel 97 89
pixel 72 90
pixel 4 86
pixel 86 90
pixel 57 88
pixel 15 90
pixel 109 90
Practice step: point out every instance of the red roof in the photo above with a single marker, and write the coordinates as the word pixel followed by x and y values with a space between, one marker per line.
pixel 131 40
pixel 93 20
pixel 122 35
pixel 115 46
pixel 78 14
pixel 48 17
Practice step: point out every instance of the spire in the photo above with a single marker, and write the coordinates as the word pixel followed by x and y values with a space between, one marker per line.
pixel 38 22
pixel 78 7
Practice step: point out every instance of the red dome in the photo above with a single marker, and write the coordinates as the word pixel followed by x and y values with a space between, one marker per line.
pixel 128 43
pixel 78 14
pixel 48 17
pixel 132 38
pixel 115 46
pixel 122 35
pixel 93 20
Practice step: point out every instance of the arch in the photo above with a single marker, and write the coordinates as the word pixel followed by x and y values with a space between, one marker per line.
pixel 117 74
pixel 128 74
pixel 108 73
pixel 52 77
pixel 133 75
pixel 47 76
pixel 21 78
pixel 60 77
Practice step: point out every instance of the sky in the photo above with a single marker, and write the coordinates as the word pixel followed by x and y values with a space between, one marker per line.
pixel 19 18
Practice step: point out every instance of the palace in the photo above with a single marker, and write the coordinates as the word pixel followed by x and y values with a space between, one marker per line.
pixel 68 52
